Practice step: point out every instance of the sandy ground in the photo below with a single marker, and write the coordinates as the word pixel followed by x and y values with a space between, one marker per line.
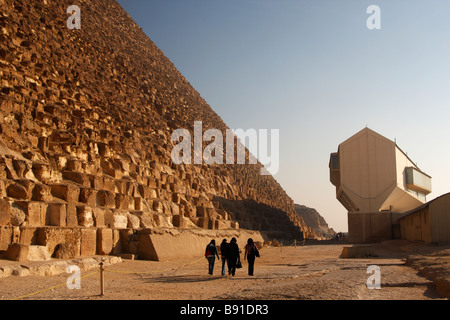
pixel 311 272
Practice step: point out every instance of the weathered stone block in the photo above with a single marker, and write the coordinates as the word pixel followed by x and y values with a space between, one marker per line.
pixel 55 237
pixel 36 212
pixel 133 221
pixel 18 191
pixel 71 215
pixel 203 222
pixel 42 192
pixel 104 241
pixel 179 221
pixel 38 253
pixel 116 220
pixel 5 216
pixel 17 252
pixel 27 235
pixel 106 199
pixel 117 245
pixel 88 196
pixel 85 216
pixel 88 242
pixel 5 237
pixel 77 177
pixel 67 192
pixel 99 216
pixel 56 214
pixel 124 202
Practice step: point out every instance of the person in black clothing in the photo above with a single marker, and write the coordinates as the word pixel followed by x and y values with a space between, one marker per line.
pixel 223 253
pixel 251 252
pixel 210 254
pixel 232 256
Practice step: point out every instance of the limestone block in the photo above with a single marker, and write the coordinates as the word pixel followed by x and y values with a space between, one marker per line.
pixel 5 216
pixel 38 253
pixel 202 212
pixel 42 192
pixel 20 167
pixel 18 191
pixel 116 220
pixel 85 216
pixel 5 237
pixel 88 242
pixel 179 221
pixel 8 166
pixel 67 251
pixel 96 182
pixel 56 214
pixel 203 222
pixel 35 211
pixel 117 245
pixel 27 235
pixel 71 215
pixel 42 172
pixel 109 184
pixel 158 206
pixel 2 188
pixel 67 192
pixel 54 237
pixel 124 202
pixel 17 252
pixel 88 196
pixel 144 191
pixel 77 177
pixel 99 216
pixel 106 199
pixel 104 241
pixel 133 221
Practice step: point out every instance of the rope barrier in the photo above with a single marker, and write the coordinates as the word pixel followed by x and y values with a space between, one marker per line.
pixel 126 272
pixel 157 271
pixel 54 287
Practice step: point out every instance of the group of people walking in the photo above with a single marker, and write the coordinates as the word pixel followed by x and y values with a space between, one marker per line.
pixel 231 256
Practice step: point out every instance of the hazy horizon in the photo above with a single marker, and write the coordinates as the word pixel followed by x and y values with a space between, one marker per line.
pixel 313 70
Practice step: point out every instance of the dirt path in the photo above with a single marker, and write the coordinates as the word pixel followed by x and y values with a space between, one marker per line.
pixel 310 272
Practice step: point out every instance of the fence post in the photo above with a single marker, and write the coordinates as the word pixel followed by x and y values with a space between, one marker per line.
pixel 102 280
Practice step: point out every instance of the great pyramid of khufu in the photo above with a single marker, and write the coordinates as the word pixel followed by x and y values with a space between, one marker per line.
pixel 86 118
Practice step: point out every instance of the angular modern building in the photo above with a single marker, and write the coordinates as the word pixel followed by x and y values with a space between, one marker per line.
pixel 376 182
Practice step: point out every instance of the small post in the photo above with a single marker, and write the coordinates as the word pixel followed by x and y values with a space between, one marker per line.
pixel 295 243
pixel 281 247
pixel 102 280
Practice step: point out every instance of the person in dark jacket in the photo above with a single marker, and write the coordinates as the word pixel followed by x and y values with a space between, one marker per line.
pixel 233 256
pixel 223 253
pixel 251 251
pixel 210 254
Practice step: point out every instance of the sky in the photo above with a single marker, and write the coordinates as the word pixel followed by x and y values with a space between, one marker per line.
pixel 315 71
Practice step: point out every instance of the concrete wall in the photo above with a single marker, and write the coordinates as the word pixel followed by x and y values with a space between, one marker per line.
pixel 440 219
pixel 367 165
pixel 369 227
pixel 416 226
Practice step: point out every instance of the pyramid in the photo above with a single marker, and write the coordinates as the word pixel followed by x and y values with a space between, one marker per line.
pixel 86 117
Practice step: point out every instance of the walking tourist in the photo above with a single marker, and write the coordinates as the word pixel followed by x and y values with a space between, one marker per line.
pixel 210 254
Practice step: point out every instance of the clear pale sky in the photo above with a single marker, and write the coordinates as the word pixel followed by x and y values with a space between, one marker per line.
pixel 313 70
